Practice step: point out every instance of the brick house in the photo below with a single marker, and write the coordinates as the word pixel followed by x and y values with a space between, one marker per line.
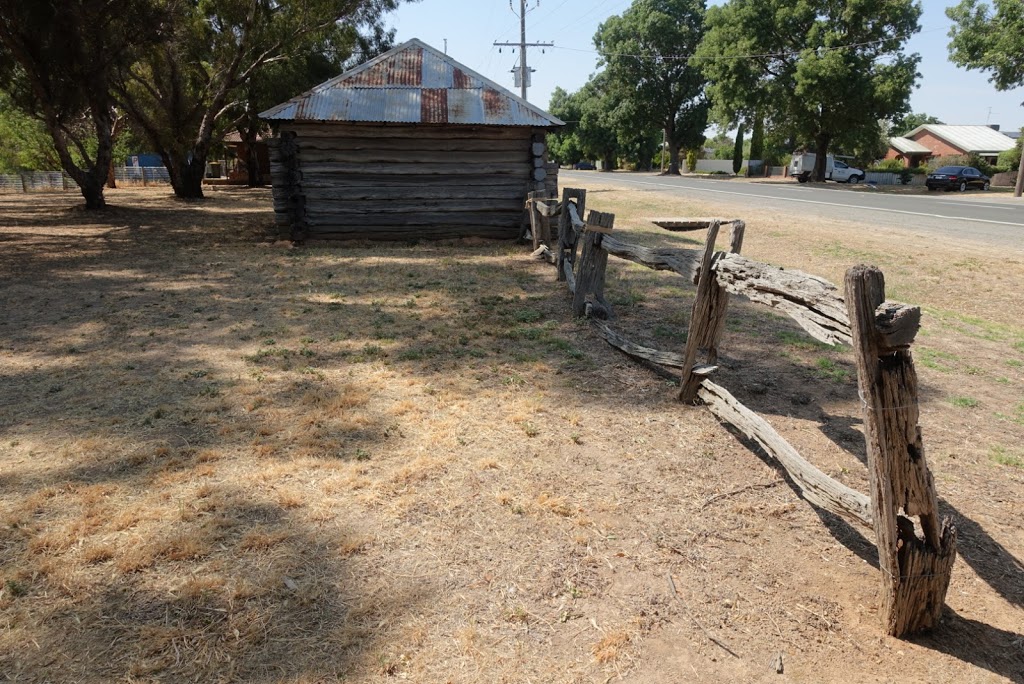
pixel 934 140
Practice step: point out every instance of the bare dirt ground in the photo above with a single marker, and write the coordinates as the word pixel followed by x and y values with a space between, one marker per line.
pixel 222 460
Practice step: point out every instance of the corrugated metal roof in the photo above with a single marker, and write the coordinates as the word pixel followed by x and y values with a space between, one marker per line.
pixel 413 83
pixel 908 146
pixel 980 139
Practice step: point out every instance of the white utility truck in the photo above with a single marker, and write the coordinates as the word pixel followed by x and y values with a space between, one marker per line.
pixel 802 167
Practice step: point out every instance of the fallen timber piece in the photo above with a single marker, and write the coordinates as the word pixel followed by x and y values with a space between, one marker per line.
pixel 815 486
pixel 702 319
pixel 680 225
pixel 813 302
pixel 915 571
pixel 685 262
pixel 570 277
pixel 624 344
pixel 578 224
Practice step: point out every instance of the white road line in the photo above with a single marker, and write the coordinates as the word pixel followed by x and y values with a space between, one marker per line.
pixel 827 204
pixel 969 203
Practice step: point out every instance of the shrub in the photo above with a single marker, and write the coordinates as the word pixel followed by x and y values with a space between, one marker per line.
pixel 691 160
pixel 950 160
pixel 889 166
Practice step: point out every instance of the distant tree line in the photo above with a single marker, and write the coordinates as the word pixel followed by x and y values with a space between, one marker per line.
pixel 816 74
pixel 171 76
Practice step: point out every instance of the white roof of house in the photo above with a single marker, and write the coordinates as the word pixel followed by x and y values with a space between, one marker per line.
pixel 908 146
pixel 980 139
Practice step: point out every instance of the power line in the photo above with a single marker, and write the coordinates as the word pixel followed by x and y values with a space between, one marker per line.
pixel 523 71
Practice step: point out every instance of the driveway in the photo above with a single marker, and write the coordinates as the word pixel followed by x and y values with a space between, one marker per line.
pixel 994 220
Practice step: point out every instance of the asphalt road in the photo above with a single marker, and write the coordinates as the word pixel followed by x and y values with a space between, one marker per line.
pixel 994 220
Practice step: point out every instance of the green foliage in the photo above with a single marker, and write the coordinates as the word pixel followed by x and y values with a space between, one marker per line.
pixel 692 156
pixel 989 40
pixel 180 92
pixel 737 151
pixel 1009 160
pixel 57 61
pixel 889 166
pixel 834 70
pixel 948 160
pixel 757 138
pixel 904 124
pixel 26 144
pixel 640 51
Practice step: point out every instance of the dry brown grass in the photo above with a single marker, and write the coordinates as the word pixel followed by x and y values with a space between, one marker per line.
pixel 226 461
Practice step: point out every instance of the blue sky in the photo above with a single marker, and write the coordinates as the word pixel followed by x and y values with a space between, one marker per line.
pixel 954 95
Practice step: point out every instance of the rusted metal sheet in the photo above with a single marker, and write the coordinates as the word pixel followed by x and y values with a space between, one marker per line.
pixel 434 105
pixel 414 83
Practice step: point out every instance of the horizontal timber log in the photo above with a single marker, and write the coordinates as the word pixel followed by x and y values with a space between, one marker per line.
pixel 440 232
pixel 812 302
pixel 413 144
pixel 425 219
pixel 445 132
pixel 685 262
pixel 358 180
pixel 621 342
pixel 574 216
pixel 454 168
pixel 352 208
pixel 816 486
pixel 420 191
pixel 316 156
pixel 688 224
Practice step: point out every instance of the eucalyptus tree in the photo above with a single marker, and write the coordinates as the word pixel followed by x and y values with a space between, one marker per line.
pixel 820 71
pixel 646 54
pixel 57 62
pixel 184 94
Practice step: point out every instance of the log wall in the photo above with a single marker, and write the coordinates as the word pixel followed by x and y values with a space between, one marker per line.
pixel 401 182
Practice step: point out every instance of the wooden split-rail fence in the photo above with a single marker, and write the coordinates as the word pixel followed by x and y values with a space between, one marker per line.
pixel 915 560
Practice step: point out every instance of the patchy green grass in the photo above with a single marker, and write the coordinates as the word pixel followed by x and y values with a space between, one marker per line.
pixel 800 341
pixel 934 359
pixel 1001 455
pixel 964 402
pixel 828 369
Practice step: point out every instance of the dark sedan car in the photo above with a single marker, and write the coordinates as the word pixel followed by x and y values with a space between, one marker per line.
pixel 957 178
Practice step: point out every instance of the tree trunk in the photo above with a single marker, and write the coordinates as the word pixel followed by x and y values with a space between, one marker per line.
pixel 1020 177
pixel 252 161
pixel 821 142
pixel 111 179
pixel 91 186
pixel 673 148
pixel 187 177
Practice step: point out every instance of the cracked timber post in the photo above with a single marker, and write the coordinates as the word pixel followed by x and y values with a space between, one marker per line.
pixel 706 317
pixel 915 571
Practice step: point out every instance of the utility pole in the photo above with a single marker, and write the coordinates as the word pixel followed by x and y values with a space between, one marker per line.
pixel 523 71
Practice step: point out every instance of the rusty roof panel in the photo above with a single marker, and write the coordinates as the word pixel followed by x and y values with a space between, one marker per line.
pixel 413 83
pixel 434 105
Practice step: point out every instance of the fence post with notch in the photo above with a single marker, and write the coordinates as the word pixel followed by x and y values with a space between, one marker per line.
pixel 915 570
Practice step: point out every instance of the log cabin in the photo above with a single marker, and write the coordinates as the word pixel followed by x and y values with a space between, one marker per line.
pixel 410 145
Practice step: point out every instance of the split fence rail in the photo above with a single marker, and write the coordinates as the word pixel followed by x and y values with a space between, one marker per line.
pixel 915 560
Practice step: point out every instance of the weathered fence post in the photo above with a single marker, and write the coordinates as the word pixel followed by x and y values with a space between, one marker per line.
pixel 915 572
pixel 708 304
pixel 593 262
pixel 566 233
pixel 710 334
pixel 539 223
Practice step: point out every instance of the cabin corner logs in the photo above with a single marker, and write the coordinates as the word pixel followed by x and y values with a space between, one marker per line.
pixel 406 182
pixel 915 558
